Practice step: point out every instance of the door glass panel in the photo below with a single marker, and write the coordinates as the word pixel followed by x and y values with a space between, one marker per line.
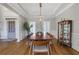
pixel 11 29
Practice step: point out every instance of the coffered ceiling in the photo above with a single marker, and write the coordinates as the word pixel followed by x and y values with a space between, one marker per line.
pixel 32 10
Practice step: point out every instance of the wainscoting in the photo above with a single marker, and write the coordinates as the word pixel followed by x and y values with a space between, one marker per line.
pixel 75 41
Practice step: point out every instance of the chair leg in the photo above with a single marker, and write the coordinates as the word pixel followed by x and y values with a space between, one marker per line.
pixel 48 52
pixel 32 52
pixel 48 49
pixel 30 46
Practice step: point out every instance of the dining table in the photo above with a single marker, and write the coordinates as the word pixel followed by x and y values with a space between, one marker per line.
pixel 39 37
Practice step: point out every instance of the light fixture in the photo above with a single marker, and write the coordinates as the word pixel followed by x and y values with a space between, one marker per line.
pixel 40 16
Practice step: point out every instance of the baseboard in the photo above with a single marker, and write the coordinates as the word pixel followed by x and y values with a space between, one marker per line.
pixel 8 39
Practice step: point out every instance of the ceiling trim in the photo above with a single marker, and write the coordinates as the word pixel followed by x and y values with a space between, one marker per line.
pixel 65 8
pixel 24 10
pixel 9 7
pixel 22 7
pixel 56 8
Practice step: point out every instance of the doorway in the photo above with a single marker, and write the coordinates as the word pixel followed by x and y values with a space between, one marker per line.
pixel 11 30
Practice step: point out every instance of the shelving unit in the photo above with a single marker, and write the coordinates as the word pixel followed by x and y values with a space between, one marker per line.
pixel 65 32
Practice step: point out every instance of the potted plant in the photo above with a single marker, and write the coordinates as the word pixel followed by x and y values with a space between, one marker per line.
pixel 27 27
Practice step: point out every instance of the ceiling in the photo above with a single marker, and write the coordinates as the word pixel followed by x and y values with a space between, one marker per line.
pixel 32 10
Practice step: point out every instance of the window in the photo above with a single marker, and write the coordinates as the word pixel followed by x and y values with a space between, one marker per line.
pixel 46 26
pixel 33 27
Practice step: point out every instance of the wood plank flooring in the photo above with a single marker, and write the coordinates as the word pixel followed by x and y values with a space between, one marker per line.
pixel 21 48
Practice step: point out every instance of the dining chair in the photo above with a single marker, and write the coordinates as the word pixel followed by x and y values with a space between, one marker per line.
pixel 40 46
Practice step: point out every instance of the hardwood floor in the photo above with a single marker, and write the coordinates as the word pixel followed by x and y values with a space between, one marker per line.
pixel 21 48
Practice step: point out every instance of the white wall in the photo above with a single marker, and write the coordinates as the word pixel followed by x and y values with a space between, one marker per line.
pixel 22 32
pixel 53 27
pixel 72 13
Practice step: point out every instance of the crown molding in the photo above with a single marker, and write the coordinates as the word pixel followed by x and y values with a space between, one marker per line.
pixel 12 9
pixel 22 8
pixel 56 8
pixel 27 14
pixel 70 5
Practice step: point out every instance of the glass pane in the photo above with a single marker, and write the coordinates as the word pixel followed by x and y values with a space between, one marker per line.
pixel 46 26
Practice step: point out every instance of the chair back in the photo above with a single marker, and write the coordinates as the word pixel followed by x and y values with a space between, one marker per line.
pixel 40 43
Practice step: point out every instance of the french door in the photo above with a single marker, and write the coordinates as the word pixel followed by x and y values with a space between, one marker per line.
pixel 11 29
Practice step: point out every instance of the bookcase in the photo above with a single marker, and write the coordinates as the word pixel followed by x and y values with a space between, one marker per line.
pixel 65 32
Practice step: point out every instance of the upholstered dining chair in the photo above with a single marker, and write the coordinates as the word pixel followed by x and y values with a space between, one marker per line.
pixel 40 46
